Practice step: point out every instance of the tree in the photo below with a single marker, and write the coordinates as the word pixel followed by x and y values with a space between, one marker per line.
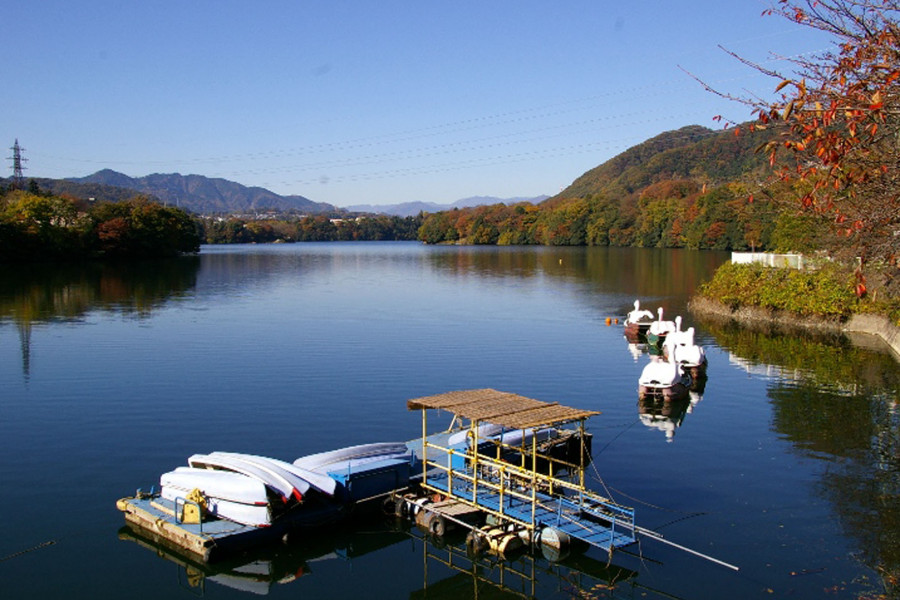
pixel 438 227
pixel 139 228
pixel 40 227
pixel 840 115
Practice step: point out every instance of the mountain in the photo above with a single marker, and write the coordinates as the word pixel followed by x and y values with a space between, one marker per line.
pixel 205 195
pixel 97 191
pixel 488 200
pixel 693 153
pixel 689 188
pixel 409 209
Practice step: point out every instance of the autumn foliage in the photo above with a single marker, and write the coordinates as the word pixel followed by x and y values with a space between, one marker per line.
pixel 839 117
pixel 40 227
pixel 681 189
pixel 668 214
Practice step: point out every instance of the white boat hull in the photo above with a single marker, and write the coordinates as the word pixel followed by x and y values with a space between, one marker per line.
pixel 319 481
pixel 228 495
pixel 285 484
pixel 519 437
pixel 323 461
pixel 664 378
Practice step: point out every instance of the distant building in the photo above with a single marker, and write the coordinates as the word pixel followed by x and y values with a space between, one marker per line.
pixel 770 259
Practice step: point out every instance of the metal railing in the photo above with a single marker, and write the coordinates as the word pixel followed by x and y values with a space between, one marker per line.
pixel 503 478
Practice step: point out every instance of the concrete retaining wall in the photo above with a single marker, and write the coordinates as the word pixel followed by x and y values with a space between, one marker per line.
pixel 869 325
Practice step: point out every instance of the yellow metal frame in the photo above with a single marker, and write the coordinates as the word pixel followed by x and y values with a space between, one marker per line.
pixel 505 471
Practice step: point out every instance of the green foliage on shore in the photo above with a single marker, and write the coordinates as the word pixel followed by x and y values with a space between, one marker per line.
pixel 41 227
pixel 309 229
pixel 825 292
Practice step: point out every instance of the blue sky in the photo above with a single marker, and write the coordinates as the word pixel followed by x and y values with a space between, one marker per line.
pixel 372 102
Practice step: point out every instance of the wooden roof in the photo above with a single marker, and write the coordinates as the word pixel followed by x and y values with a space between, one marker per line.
pixel 502 408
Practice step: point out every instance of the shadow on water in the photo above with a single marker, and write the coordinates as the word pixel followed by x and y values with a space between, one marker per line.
pixel 841 402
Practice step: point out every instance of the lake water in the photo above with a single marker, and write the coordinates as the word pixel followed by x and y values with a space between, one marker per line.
pixel 786 465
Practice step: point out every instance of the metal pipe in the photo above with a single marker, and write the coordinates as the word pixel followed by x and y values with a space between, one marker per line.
pixel 658 537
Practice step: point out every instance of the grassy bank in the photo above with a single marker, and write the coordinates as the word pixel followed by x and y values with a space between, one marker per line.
pixel 827 292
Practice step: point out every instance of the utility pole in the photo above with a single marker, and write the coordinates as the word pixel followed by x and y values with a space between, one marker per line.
pixel 18 180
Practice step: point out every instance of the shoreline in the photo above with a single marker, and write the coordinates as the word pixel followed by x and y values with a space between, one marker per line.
pixel 868 330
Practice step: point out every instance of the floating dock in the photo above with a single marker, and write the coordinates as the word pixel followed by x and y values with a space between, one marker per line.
pixel 181 523
pixel 520 484
pixel 513 462
pixel 211 540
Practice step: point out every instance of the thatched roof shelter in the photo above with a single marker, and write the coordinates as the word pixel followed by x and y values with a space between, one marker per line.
pixel 512 411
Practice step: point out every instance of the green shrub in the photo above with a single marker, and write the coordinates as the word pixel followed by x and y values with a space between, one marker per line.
pixel 826 292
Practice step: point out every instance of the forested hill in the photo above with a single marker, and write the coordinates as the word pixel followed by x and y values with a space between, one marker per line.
pixel 691 153
pixel 690 188
pixel 205 195
pixel 100 192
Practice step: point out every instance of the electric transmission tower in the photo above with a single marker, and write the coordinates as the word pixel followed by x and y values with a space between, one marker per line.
pixel 18 180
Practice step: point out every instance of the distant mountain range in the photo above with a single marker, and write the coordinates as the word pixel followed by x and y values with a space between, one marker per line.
pixel 205 195
pixel 409 209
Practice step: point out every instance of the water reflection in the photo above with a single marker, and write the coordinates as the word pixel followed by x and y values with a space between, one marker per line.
pixel 577 575
pixel 643 272
pixel 45 293
pixel 314 347
pixel 836 400
pixel 637 350
pixel 666 415
pixel 260 571
pixel 449 570
pixel 68 292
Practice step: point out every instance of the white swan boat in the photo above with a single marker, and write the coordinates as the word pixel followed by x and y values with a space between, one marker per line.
pixel 665 378
pixel 658 330
pixel 637 323
pixel 686 353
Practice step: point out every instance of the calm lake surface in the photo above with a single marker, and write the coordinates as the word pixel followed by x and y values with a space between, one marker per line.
pixel 786 465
